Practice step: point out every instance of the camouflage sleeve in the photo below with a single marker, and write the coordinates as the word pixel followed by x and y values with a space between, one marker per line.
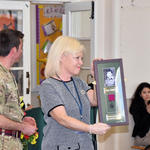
pixel 2 97
pixel 9 106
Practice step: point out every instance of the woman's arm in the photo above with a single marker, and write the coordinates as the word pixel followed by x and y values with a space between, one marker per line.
pixel 92 97
pixel 60 115
pixel 92 93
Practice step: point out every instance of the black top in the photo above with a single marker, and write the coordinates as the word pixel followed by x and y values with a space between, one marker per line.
pixel 141 118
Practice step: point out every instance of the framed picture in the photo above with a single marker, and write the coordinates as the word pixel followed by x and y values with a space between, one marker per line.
pixel 110 91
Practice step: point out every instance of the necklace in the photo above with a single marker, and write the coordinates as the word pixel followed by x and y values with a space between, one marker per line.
pixel 78 102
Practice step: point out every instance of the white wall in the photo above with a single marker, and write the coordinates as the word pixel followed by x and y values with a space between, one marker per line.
pixel 135 45
pixel 125 33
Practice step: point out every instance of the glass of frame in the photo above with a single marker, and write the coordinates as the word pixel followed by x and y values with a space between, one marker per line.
pixel 110 91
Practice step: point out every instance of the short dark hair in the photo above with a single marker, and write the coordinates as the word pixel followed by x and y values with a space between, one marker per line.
pixel 8 39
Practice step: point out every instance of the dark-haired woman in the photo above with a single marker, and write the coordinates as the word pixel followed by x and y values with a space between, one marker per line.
pixel 140 110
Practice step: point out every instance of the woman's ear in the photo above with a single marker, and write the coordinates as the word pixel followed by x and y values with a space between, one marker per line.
pixel 62 57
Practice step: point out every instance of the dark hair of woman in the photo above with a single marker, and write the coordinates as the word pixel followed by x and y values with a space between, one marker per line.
pixel 137 94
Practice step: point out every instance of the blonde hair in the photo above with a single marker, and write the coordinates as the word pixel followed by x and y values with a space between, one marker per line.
pixel 62 45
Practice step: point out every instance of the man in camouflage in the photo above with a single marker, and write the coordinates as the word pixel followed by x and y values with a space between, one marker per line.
pixel 11 115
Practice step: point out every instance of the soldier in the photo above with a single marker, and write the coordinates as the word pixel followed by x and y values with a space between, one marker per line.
pixel 12 122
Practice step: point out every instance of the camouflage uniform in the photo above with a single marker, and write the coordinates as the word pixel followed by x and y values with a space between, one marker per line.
pixel 9 107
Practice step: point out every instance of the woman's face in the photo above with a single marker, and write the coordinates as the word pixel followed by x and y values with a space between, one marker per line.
pixel 71 63
pixel 145 94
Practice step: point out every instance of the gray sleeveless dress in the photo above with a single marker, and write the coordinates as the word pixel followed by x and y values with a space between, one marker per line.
pixel 53 94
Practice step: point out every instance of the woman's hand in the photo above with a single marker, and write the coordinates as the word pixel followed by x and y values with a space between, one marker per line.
pixel 99 128
pixel 92 66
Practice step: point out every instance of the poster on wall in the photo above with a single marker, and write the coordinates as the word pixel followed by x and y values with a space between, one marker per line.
pixel 48 28
pixel 110 91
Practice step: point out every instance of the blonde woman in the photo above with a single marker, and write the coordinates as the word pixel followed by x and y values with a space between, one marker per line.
pixel 66 99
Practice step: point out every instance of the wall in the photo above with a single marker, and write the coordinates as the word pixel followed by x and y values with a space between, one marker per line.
pixel 124 33
pixel 135 45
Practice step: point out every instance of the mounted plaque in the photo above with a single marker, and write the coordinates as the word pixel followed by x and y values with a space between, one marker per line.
pixel 110 91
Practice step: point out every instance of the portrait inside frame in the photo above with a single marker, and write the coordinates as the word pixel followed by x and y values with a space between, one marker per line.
pixel 110 91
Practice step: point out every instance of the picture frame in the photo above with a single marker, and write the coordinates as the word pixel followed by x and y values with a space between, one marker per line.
pixel 49 28
pixel 110 92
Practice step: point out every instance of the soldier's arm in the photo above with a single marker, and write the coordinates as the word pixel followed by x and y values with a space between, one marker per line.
pixel 9 104
pixel 23 126
pixel 11 114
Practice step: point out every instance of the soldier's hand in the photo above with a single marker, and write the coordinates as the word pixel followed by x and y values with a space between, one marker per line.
pixel 28 128
pixel 30 120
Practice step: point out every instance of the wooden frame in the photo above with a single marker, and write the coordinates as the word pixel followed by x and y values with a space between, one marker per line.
pixel 110 91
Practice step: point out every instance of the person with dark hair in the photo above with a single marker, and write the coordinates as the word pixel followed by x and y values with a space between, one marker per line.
pixel 140 110
pixel 12 122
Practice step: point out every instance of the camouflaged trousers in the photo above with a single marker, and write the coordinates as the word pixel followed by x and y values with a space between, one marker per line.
pixel 10 143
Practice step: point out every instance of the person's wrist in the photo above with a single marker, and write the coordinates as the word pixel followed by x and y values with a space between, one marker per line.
pixel 90 129
pixel 20 126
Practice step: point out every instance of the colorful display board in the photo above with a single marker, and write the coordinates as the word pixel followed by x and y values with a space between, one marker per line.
pixel 48 28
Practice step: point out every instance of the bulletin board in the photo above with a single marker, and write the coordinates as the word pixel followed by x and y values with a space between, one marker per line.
pixel 48 28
